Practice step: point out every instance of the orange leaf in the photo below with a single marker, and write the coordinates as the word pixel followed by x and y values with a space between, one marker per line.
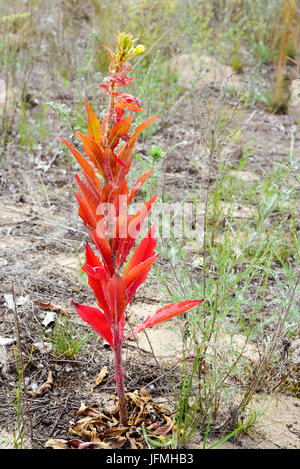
pixel 87 168
pixel 85 212
pixel 167 312
pixel 89 196
pixel 138 185
pixel 120 129
pixel 103 159
pixel 93 124
pixel 142 127
pixel 125 156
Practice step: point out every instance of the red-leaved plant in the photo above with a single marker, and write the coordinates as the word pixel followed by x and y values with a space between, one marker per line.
pixel 103 206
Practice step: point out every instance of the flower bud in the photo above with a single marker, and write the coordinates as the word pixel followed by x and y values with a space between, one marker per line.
pixel 139 49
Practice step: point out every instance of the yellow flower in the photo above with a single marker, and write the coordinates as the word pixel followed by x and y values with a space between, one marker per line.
pixel 139 49
pixel 126 48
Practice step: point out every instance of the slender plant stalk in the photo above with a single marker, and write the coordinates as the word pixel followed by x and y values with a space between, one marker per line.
pixel 21 366
pixel 119 372
pixel 289 9
pixel 266 359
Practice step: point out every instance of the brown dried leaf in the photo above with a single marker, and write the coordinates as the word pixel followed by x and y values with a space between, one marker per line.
pixel 56 444
pixel 100 378
pixel 75 444
pixel 114 431
pixel 139 418
pixel 52 307
pixel 116 443
pixel 145 394
pixel 47 385
pixel 135 398
pixel 115 409
pixel 104 426
pixel 78 444
pixel 167 428
pixel 160 408
pixel 85 428
pixel 154 426
pixel 92 412
pixel 132 441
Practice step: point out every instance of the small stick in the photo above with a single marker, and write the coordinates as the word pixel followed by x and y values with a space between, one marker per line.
pixel 21 359
pixel 152 351
pixel 60 415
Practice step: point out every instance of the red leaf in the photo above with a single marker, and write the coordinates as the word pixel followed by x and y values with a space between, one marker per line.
pixel 91 258
pixel 97 278
pixel 120 229
pixel 137 221
pixel 85 212
pixel 104 248
pixel 143 251
pixel 119 161
pixel 117 298
pixel 95 318
pixel 77 444
pixel 134 226
pixel 138 275
pixel 167 312
pixel 88 195
pixel 124 100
